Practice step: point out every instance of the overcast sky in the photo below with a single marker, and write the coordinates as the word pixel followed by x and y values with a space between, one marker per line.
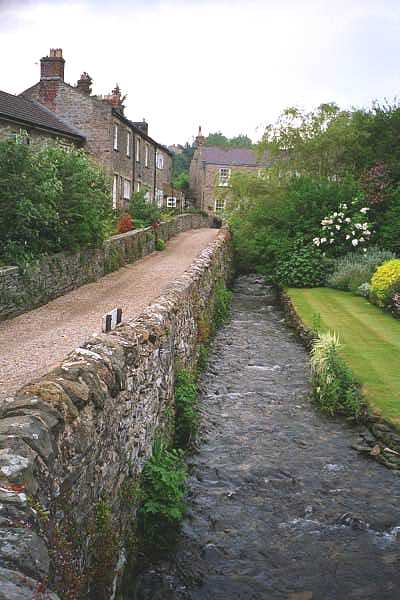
pixel 229 66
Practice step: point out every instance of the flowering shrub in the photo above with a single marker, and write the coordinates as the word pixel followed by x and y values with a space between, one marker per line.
pixel 364 290
pixel 125 223
pixel 347 227
pixel 385 277
pixel 394 304
pixel 356 268
pixel 376 184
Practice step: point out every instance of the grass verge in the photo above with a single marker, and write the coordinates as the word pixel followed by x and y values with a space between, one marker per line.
pixel 370 339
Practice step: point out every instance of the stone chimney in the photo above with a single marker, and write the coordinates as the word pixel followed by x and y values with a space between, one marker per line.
pixel 84 84
pixel 142 125
pixel 199 140
pixel 52 66
pixel 115 99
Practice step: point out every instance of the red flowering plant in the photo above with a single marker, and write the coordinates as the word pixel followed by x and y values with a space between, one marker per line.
pixel 125 223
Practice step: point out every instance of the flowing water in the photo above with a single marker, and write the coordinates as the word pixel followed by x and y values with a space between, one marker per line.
pixel 280 506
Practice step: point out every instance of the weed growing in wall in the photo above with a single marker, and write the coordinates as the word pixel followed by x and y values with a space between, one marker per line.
pixel 202 359
pixel 159 245
pixel 162 493
pixel 186 412
pixel 104 546
pixel 222 304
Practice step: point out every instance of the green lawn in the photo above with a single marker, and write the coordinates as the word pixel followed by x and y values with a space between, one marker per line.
pixel 370 338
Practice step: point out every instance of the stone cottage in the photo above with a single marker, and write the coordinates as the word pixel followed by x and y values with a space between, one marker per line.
pixel 130 157
pixel 34 123
pixel 211 169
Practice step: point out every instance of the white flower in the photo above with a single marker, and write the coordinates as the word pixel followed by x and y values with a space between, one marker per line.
pixel 323 240
pixel 347 219
pixel 354 242
pixel 364 210
pixel 362 239
pixel 347 237
pixel 331 241
pixel 338 227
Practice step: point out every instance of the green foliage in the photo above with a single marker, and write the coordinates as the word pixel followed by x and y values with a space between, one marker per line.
pixel 186 415
pixel 160 245
pixel 335 389
pixel 162 496
pixel 268 215
pixel 303 266
pixel 104 549
pixel 384 279
pixel 180 166
pixel 238 141
pixel 181 181
pixel 202 357
pixel 222 304
pixel 50 200
pixel 356 268
pixel 143 213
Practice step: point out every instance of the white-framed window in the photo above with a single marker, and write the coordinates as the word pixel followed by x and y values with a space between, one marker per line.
pixel 171 202
pixel 160 160
pixel 137 186
pixel 219 204
pixel 137 153
pixel 128 143
pixel 224 176
pixel 159 198
pixel 127 189
pixel 146 155
pixel 115 143
pixel 115 192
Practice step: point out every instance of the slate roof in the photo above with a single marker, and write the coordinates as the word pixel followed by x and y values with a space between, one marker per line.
pixel 22 110
pixel 231 156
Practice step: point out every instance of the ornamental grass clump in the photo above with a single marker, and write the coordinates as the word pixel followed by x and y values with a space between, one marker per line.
pixel 356 268
pixel 335 389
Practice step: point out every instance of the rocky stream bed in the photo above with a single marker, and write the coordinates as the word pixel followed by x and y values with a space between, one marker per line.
pixel 280 506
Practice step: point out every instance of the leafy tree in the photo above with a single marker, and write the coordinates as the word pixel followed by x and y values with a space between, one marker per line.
pixel 218 139
pixel 50 200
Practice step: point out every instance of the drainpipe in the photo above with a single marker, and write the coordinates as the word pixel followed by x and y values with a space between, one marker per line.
pixel 133 150
pixel 155 173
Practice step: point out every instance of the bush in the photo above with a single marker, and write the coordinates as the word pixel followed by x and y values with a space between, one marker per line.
pixel 50 200
pixel 335 389
pixel 162 496
pixel 357 268
pixel 143 212
pixel 125 223
pixel 160 245
pixel 385 277
pixel 364 290
pixel 186 415
pixel 303 266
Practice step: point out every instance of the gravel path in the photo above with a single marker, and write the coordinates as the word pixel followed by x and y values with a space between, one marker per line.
pixel 33 343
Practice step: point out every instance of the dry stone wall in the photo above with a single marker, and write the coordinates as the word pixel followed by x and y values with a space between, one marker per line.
pixel 55 275
pixel 73 444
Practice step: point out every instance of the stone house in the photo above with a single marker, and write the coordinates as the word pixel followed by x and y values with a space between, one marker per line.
pixel 130 157
pixel 211 169
pixel 35 124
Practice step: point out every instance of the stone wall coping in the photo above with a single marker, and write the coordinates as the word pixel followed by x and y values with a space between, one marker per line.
pixel 8 270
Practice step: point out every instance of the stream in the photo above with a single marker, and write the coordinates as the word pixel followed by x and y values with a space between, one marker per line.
pixel 280 506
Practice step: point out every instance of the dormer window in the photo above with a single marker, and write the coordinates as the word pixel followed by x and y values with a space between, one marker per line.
pixel 115 145
pixel 224 176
